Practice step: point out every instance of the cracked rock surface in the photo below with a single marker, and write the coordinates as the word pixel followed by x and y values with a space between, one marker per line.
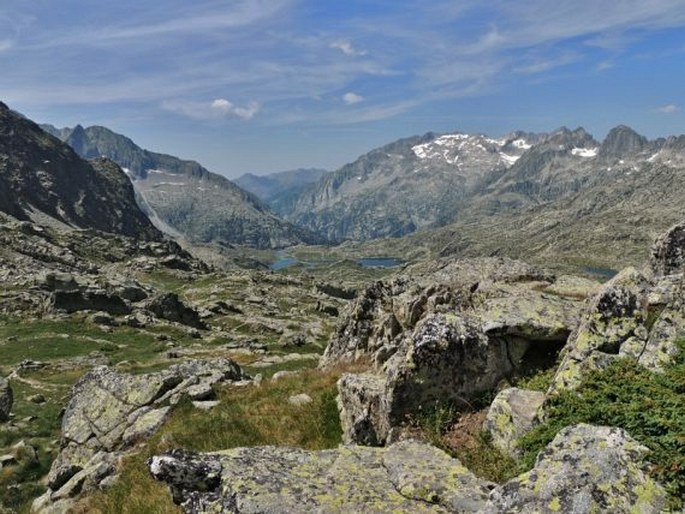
pixel 409 476
pixel 110 412
pixel 584 469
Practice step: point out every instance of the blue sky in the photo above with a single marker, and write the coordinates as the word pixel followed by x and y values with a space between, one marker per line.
pixel 270 85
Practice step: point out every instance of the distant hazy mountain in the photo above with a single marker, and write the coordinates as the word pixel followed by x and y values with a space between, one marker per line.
pixel 411 184
pixel 44 180
pixel 281 190
pixel 185 198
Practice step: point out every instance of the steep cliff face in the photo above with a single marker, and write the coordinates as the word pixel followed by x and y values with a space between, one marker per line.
pixel 41 176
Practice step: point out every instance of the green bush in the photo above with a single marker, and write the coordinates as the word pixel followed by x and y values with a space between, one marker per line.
pixel 649 406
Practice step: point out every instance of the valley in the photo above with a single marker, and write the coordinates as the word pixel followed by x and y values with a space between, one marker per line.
pixel 439 326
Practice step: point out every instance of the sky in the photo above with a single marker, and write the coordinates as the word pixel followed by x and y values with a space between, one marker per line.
pixel 270 85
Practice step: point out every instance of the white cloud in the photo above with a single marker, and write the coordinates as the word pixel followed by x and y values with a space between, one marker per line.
pixel 6 44
pixel 352 98
pixel 217 109
pixel 668 109
pixel 346 47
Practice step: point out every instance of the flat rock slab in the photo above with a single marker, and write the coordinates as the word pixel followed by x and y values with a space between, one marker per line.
pixel 409 477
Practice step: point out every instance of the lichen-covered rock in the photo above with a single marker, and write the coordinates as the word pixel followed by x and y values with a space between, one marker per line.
pixel 363 409
pixel 615 316
pixel 408 477
pixel 511 415
pixel 168 306
pixel 668 329
pixel 503 294
pixel 359 334
pixel 6 398
pixel 668 252
pixel 110 412
pixel 584 469
pixel 448 359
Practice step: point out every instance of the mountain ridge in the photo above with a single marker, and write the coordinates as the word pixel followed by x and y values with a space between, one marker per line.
pixel 41 176
pixel 204 207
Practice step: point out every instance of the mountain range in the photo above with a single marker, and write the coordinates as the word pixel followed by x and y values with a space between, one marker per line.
pixel 183 198
pixel 568 198
pixel 559 195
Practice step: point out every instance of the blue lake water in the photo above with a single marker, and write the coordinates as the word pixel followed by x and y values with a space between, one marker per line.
pixel 285 261
pixel 607 273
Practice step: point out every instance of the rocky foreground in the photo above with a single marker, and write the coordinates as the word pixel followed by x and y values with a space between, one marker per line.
pixel 436 333
pixel 456 330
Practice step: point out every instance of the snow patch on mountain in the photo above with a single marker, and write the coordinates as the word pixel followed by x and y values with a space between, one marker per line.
pixel 522 144
pixel 585 152
pixel 509 159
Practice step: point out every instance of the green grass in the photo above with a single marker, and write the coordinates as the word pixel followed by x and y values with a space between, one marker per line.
pixel 474 450
pixel 251 416
pixel 538 381
pixel 22 482
pixel 649 405
pixel 53 340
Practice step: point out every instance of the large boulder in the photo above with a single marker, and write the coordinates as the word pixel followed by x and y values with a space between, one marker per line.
pixel 504 294
pixel 668 252
pixel 169 306
pixel 408 477
pixel 6 399
pixel 110 412
pixel 89 299
pixel 666 332
pixel 510 304
pixel 584 469
pixel 512 414
pixel 448 359
pixel 614 317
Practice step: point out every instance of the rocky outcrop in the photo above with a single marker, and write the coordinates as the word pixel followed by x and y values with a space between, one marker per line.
pixel 667 330
pixel 613 318
pixel 584 469
pixel 668 252
pixel 110 412
pixel 443 334
pixel 448 359
pixel 168 306
pixel 501 294
pixel 511 415
pixel 406 477
pixel 6 398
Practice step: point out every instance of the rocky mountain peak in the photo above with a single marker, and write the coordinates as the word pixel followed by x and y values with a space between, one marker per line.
pixel 570 139
pixel 78 140
pixel 41 177
pixel 622 141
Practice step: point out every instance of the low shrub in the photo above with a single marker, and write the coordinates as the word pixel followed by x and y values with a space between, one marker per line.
pixel 650 406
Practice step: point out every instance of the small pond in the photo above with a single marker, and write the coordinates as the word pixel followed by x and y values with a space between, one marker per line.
pixel 605 273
